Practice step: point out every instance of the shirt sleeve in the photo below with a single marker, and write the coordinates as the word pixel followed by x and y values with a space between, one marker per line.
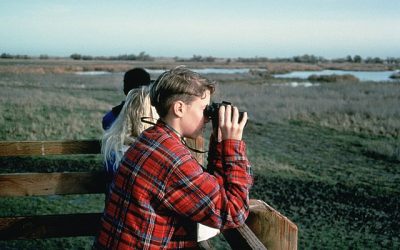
pixel 214 158
pixel 217 200
pixel 108 120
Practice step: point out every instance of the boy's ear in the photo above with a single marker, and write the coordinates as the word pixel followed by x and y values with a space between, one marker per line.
pixel 179 108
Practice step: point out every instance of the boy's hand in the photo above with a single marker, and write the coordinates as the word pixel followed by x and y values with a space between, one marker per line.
pixel 229 125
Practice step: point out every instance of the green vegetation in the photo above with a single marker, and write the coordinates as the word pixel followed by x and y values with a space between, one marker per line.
pixel 395 75
pixel 333 78
pixel 132 57
pixel 327 156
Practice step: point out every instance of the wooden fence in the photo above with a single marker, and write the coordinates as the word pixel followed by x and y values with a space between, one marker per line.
pixel 265 227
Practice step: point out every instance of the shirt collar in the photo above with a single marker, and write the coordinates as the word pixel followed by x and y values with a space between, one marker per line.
pixel 169 129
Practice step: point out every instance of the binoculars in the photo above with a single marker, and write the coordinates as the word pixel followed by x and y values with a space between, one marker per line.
pixel 212 112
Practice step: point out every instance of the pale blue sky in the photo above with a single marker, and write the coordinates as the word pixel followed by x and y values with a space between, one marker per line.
pixel 286 28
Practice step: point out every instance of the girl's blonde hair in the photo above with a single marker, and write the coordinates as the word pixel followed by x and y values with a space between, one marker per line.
pixel 127 126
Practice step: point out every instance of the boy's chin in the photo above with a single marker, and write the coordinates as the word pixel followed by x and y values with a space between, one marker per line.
pixel 195 134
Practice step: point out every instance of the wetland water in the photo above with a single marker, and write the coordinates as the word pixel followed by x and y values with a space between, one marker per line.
pixel 362 75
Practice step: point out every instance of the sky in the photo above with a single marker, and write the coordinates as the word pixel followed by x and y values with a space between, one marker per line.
pixel 183 28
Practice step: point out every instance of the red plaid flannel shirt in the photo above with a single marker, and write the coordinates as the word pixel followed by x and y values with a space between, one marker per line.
pixel 160 191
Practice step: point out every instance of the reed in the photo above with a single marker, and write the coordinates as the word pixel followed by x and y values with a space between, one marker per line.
pixel 370 108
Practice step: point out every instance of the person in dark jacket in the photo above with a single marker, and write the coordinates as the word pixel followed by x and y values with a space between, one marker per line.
pixel 133 79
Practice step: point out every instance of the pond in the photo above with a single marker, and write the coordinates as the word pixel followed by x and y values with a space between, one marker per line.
pixel 93 73
pixel 362 75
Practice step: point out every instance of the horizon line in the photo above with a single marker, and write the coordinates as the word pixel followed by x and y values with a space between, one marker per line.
pixel 4 55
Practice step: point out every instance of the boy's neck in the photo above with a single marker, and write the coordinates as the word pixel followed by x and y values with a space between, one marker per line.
pixel 171 124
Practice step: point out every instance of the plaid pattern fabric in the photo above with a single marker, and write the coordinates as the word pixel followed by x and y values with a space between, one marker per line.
pixel 160 192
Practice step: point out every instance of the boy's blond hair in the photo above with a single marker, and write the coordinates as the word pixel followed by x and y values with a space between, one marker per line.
pixel 179 83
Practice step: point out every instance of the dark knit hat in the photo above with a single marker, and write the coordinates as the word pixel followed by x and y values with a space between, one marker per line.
pixel 135 78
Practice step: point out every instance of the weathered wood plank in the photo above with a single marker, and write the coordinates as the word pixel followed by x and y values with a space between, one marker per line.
pixel 29 184
pixel 48 226
pixel 242 238
pixel 22 148
pixel 273 229
pixel 206 245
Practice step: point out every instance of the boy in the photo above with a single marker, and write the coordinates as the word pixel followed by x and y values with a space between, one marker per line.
pixel 160 191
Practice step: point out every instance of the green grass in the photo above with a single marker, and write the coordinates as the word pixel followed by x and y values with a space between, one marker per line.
pixel 325 154
pixel 322 179
pixel 34 107
pixel 327 157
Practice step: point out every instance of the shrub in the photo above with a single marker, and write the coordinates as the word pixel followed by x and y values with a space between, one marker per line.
pixel 395 75
pixel 333 78
pixel 76 56
pixel 43 57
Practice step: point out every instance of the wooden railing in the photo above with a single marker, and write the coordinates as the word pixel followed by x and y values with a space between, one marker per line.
pixel 264 228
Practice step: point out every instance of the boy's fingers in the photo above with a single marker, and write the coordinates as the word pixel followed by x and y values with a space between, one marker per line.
pixel 221 115
pixel 228 114
pixel 235 116
pixel 243 122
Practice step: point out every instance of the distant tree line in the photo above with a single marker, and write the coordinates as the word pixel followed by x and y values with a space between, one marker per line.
pixel 143 56
pixel 9 56
pixel 318 59
pixel 196 58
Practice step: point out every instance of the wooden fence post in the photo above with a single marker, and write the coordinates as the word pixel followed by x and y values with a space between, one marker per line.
pixel 273 229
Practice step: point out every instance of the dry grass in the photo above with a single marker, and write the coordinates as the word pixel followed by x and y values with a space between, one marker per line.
pixel 35 107
pixel 370 108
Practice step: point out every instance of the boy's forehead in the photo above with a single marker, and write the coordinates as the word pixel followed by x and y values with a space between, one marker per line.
pixel 204 99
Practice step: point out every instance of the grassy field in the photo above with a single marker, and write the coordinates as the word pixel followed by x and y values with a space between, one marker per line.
pixel 325 156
